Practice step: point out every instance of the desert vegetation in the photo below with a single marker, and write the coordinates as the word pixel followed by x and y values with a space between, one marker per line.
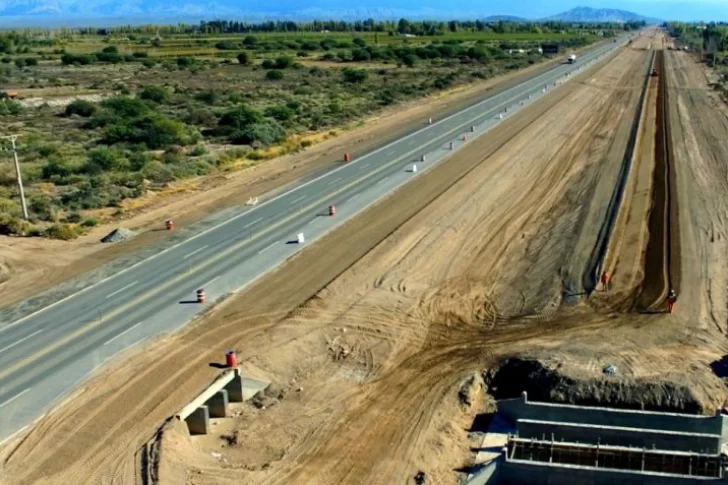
pixel 107 115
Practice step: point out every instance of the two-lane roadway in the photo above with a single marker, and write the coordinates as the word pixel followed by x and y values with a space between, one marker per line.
pixel 45 354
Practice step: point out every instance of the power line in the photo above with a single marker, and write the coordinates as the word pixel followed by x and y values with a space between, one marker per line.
pixel 12 139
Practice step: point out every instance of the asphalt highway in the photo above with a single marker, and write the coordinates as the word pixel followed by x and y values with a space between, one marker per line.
pixel 45 354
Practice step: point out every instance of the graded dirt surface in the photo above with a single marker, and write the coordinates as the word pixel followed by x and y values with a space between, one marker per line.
pixel 31 265
pixel 377 375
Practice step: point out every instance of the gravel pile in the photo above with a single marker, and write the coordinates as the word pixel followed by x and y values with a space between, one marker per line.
pixel 118 235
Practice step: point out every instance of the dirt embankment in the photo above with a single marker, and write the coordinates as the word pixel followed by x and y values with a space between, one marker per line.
pixel 420 293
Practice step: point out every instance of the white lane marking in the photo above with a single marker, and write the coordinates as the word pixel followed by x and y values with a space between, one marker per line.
pixel 120 290
pixel 123 333
pixel 14 397
pixel 312 221
pixel 194 252
pixel 253 222
pixel 210 282
pixel 352 197
pixel 382 181
pixel 297 199
pixel 18 342
pixel 439 123
pixel 392 152
pixel 335 181
pixel 266 248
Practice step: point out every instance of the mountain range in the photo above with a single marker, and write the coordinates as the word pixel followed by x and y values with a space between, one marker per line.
pixel 14 13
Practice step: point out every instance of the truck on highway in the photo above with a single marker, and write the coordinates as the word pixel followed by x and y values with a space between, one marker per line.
pixel 572 59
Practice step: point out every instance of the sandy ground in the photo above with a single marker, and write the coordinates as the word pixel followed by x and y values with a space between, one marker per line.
pixel 31 265
pixel 377 375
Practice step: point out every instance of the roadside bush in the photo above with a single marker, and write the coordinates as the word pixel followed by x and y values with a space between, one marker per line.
pixel 149 63
pixel 90 223
pixel 64 232
pixel 250 40
pixel 80 107
pixel 259 134
pixel 10 225
pixel 274 75
pixel 156 94
pixel 268 64
pixel 352 75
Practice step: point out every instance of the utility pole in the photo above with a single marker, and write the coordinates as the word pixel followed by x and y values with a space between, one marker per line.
pixel 12 139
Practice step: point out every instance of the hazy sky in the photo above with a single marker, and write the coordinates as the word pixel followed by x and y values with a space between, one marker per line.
pixel 670 9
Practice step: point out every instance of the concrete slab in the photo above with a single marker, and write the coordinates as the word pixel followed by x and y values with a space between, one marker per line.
pixel 251 387
pixel 218 404
pixel 486 460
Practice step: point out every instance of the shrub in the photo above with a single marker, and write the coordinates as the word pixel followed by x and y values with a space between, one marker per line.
pixel 140 55
pixel 280 113
pixel 273 75
pixel 259 134
pixel 352 75
pixel 283 62
pixel 20 63
pixel 90 223
pixel 154 130
pixel 56 167
pixel 105 160
pixel 156 94
pixel 78 59
pixel 243 58
pixel 268 64
pixel 149 63
pixel 185 61
pixel 125 107
pixel 10 225
pixel 198 151
pixel 240 117
pixel 250 40
pixel 80 107
pixel 64 232
pixel 73 217
pixel 31 61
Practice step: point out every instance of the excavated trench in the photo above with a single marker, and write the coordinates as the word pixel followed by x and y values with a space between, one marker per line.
pixel 662 260
pixel 546 384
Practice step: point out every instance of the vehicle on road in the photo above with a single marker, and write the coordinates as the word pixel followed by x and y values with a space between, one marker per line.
pixel 572 59
pixel 654 72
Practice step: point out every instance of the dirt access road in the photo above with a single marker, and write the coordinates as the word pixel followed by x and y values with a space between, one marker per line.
pixel 31 265
pixel 431 286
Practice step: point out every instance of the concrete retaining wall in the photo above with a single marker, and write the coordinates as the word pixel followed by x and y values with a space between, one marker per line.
pixel 619 436
pixel 520 408
pixel 519 473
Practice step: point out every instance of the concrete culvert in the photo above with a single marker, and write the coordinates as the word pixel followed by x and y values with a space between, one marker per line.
pixel 118 235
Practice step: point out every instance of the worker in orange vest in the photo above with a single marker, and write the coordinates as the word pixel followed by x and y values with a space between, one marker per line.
pixel 671 298
pixel 605 281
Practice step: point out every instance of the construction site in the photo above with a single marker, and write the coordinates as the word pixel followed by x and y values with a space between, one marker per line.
pixel 537 261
